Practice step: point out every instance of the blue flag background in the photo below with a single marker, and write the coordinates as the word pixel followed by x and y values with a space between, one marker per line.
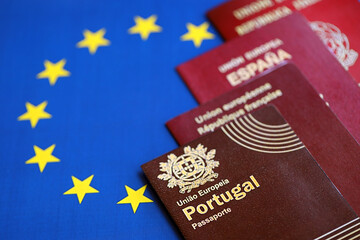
pixel 107 117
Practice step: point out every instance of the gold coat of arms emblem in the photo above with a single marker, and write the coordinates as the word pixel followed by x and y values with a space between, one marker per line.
pixel 190 170
pixel 336 41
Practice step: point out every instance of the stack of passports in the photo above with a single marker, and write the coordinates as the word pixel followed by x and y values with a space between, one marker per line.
pixel 290 39
pixel 313 121
pixel 273 150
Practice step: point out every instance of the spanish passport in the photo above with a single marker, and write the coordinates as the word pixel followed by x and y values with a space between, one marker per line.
pixel 258 183
pixel 289 39
pixel 286 87
pixel 334 21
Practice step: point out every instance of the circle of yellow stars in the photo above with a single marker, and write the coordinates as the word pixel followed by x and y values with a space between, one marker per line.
pixel 55 70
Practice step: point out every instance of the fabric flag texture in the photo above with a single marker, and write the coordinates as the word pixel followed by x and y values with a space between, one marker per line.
pixel 85 90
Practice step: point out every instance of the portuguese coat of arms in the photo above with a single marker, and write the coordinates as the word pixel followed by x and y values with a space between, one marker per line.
pixel 190 170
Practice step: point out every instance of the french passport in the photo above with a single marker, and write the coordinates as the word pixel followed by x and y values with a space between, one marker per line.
pixel 309 115
pixel 258 183
pixel 334 21
pixel 288 39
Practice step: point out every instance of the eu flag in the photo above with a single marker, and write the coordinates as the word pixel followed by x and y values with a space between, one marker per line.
pixel 85 90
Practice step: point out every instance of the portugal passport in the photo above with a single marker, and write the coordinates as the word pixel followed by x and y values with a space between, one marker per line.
pixel 258 183
pixel 334 21
pixel 290 39
pixel 308 114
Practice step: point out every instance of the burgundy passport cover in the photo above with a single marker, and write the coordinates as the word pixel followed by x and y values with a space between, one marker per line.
pixel 231 184
pixel 291 38
pixel 335 21
pixel 312 120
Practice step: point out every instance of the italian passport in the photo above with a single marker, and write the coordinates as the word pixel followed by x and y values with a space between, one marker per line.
pixel 286 87
pixel 258 183
pixel 334 21
pixel 288 39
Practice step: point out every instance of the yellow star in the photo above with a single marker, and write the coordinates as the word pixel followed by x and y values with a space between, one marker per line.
pixel 53 71
pixel 35 113
pixel 197 33
pixel 135 197
pixel 42 157
pixel 81 188
pixel 93 40
pixel 145 26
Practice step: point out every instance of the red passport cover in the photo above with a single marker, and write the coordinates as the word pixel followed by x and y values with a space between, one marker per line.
pixel 322 133
pixel 264 185
pixel 289 39
pixel 335 21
